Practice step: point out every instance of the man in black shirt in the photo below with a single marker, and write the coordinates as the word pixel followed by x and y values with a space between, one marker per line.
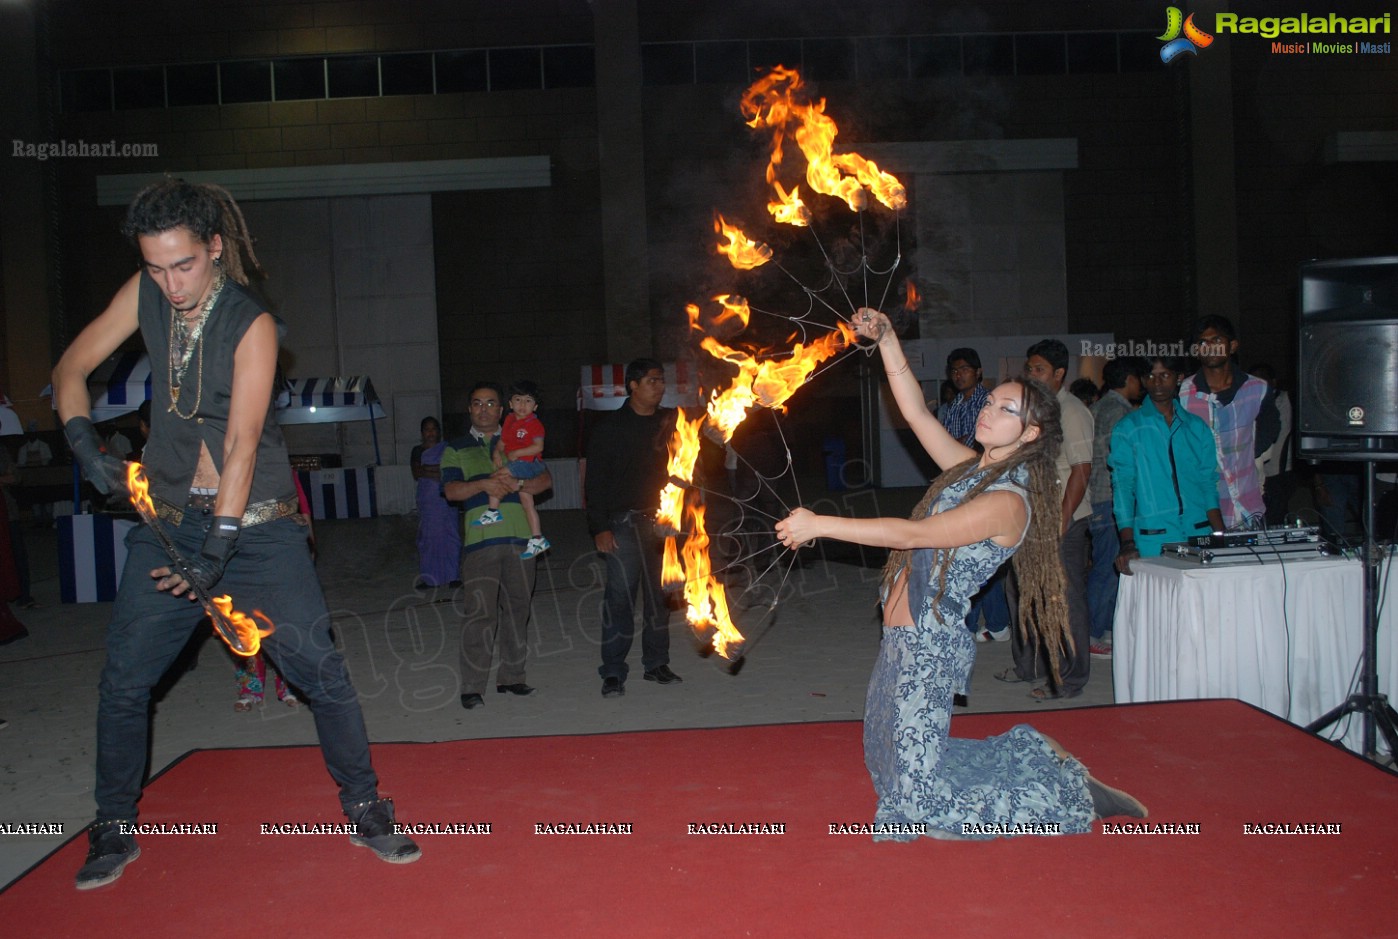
pixel 626 469
pixel 222 488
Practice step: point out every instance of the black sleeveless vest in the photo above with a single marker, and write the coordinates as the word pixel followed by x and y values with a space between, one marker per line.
pixel 172 453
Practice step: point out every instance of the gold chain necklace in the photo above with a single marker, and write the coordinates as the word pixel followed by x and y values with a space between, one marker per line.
pixel 183 339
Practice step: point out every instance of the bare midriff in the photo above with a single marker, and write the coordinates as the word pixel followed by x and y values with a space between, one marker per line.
pixel 205 474
pixel 895 606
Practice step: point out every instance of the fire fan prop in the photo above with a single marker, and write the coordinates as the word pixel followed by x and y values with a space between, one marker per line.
pixel 775 104
pixel 240 631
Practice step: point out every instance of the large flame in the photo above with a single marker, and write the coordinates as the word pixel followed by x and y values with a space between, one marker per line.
pixel 249 633
pixel 768 383
pixel 705 596
pixel 773 103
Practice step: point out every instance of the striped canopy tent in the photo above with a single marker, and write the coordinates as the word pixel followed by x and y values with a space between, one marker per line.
pixel 330 401
pixel 603 387
pixel 116 387
pixel 119 385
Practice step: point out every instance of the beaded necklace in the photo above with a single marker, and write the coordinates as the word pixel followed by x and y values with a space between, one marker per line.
pixel 183 339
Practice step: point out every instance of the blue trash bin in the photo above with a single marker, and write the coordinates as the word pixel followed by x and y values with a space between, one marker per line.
pixel 834 449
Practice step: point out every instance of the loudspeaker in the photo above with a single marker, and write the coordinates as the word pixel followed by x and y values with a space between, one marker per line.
pixel 1347 392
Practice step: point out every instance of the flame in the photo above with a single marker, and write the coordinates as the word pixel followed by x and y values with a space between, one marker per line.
pixel 767 383
pixel 788 208
pixel 705 596
pixel 773 103
pixel 885 187
pixel 913 297
pixel 741 251
pixel 684 452
pixel 671 570
pixel 139 487
pixel 707 600
pixel 734 308
pixel 249 633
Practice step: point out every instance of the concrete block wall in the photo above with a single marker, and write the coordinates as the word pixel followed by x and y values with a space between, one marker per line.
pixel 522 270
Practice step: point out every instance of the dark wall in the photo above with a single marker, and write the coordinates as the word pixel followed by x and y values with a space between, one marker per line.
pixel 519 274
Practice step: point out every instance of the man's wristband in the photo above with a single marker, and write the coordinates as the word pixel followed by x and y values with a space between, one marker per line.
pixel 222 537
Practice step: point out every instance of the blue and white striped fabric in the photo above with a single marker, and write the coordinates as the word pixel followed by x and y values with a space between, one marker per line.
pixel 328 400
pixel 119 385
pixel 91 555
pixel 341 493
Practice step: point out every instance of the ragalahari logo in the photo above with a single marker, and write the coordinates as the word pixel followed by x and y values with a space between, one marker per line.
pixel 1175 44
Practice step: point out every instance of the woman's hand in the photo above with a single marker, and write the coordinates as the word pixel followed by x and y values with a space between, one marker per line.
pixel 870 324
pixel 798 528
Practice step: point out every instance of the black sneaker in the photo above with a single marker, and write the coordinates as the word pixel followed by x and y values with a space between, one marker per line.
pixel 375 830
pixel 109 850
pixel 663 675
pixel 613 687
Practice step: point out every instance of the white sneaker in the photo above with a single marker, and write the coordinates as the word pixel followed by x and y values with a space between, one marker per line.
pixel 536 546
pixel 489 517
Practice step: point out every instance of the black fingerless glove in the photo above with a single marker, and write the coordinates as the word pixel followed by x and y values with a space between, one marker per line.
pixel 220 544
pixel 102 469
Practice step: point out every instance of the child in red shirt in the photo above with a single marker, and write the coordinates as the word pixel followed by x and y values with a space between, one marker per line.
pixel 521 447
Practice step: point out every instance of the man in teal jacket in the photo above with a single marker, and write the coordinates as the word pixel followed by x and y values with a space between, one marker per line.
pixel 1164 471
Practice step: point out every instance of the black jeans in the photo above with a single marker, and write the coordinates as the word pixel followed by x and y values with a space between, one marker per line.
pixel 272 572
pixel 635 563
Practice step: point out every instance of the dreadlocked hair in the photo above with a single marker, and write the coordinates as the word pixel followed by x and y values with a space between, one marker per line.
pixel 1043 605
pixel 205 210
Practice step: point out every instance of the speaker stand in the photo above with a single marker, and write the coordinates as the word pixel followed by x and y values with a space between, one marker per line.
pixel 1372 706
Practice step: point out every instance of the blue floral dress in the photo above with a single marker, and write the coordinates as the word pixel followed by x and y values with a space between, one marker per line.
pixel 927 781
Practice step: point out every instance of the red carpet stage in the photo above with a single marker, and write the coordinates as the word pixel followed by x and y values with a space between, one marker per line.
pixel 1213 771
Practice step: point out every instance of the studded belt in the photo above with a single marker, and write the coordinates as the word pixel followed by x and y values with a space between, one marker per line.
pixel 202 504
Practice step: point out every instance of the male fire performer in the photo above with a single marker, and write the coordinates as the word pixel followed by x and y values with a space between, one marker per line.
pixel 221 482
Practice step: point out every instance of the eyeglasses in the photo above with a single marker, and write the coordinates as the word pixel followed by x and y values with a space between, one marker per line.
pixel 484 403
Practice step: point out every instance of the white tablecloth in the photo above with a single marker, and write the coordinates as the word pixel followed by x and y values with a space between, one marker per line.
pixel 1283 636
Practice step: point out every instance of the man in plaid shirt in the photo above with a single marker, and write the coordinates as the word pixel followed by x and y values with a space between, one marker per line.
pixel 959 416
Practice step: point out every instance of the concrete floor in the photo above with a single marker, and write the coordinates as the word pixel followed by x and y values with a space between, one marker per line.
pixel 401 645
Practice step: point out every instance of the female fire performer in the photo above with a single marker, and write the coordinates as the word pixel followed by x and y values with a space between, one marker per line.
pixel 987 507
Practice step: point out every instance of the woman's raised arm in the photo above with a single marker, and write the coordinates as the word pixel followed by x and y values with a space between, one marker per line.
pixel 944 449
